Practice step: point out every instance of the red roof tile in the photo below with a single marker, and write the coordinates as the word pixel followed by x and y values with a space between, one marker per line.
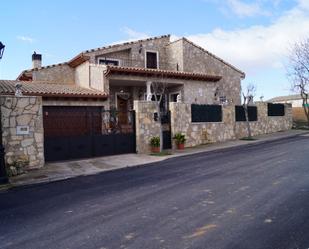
pixel 161 73
pixel 7 87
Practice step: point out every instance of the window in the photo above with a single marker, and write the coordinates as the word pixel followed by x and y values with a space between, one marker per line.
pixel 152 59
pixel 107 61
pixel 173 96
pixel 275 109
pixel 223 99
pixel 206 113
pixel 241 116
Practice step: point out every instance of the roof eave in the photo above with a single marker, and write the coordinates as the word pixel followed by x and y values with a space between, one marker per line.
pixel 88 96
pixel 78 60
pixel 168 74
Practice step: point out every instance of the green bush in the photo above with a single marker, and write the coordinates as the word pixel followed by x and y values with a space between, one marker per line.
pixel 179 138
pixel 155 142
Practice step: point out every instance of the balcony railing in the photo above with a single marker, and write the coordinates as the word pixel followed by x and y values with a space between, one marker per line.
pixel 125 62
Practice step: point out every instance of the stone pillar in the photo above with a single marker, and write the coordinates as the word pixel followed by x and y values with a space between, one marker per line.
pixel 146 127
pixel 23 135
pixel 181 121
pixel 148 90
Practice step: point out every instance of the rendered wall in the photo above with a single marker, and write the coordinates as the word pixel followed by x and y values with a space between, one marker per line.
pixel 60 74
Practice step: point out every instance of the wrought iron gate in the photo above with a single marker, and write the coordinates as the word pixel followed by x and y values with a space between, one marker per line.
pixel 166 125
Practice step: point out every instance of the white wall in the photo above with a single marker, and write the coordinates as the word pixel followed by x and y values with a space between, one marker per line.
pixel 82 75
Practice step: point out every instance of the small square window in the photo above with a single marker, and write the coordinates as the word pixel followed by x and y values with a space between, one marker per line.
pixel 223 99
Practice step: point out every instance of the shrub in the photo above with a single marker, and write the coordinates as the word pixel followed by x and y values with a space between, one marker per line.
pixel 155 142
pixel 179 138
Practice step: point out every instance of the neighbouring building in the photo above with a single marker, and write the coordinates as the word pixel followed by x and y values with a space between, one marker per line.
pixel 297 106
pixel 101 101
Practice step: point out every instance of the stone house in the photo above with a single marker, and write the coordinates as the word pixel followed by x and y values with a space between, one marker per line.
pixel 84 107
pixel 128 68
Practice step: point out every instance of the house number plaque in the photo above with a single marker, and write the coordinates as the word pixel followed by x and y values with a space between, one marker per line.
pixel 22 130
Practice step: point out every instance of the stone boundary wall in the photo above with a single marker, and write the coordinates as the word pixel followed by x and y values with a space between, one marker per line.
pixel 22 133
pixel 145 125
pixel 228 129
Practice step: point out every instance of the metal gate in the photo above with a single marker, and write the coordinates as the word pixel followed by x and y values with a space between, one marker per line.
pixel 166 125
pixel 84 132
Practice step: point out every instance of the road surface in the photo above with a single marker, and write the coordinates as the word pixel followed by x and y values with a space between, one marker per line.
pixel 254 196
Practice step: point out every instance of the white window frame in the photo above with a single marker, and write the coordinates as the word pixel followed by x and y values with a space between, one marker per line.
pixel 110 59
pixel 152 51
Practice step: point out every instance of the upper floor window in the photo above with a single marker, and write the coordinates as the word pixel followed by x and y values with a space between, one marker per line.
pixel 152 59
pixel 108 61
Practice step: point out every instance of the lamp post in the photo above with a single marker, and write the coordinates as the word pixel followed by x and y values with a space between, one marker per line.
pixel 3 174
pixel 1 49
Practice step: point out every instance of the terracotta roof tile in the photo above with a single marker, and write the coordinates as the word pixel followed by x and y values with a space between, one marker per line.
pixel 7 87
pixel 161 73
pixel 126 43
pixel 285 98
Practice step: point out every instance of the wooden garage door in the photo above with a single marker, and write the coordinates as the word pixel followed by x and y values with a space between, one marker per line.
pixel 71 121
pixel 76 132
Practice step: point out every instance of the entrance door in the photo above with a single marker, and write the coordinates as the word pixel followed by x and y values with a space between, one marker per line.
pixel 122 106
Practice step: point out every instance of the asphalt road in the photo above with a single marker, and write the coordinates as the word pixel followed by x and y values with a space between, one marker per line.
pixel 254 196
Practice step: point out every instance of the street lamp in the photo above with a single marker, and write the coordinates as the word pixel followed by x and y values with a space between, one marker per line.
pixel 1 49
pixel 3 174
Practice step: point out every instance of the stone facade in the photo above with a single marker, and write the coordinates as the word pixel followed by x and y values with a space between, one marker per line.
pixel 201 133
pixel 132 54
pixel 228 129
pixel 23 134
pixel 146 127
pixel 192 58
pixel 181 55
pixel 266 124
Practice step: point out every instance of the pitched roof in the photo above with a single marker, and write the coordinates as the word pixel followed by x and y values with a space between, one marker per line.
pixel 127 43
pixel 161 73
pixel 82 57
pixel 212 55
pixel 285 98
pixel 27 74
pixel 48 89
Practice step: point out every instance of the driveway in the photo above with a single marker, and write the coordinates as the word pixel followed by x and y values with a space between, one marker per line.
pixel 254 196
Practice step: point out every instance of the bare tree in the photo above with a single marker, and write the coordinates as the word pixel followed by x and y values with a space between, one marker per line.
pixel 248 95
pixel 158 91
pixel 298 71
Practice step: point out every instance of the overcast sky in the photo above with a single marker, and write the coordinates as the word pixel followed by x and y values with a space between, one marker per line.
pixel 255 36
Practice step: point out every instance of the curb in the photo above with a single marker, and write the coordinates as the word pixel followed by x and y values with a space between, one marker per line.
pixel 215 150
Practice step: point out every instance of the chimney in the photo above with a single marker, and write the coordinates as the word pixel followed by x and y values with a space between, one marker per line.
pixel 36 60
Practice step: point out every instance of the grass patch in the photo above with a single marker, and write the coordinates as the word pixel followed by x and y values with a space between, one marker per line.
pixel 162 153
pixel 5 187
pixel 248 138
pixel 300 125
